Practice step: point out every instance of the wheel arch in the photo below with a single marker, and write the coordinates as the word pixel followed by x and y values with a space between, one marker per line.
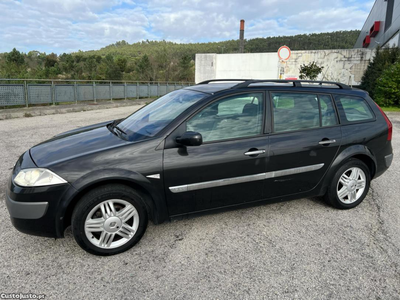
pixel 359 152
pixel 368 161
pixel 154 201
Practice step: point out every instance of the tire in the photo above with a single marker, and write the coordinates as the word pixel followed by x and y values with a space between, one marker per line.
pixel 350 185
pixel 109 220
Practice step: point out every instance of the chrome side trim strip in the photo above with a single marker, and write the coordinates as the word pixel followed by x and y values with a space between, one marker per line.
pixel 242 179
pixel 155 176
pixel 216 183
pixel 293 171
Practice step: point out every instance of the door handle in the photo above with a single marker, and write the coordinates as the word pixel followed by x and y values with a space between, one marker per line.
pixel 327 142
pixel 254 152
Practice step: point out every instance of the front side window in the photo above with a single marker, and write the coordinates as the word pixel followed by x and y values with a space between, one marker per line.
pixel 354 108
pixel 151 119
pixel 236 116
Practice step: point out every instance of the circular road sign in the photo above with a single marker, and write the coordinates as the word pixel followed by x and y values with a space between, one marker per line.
pixel 284 53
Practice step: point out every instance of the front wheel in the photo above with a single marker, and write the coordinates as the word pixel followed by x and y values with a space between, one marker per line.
pixel 350 185
pixel 109 220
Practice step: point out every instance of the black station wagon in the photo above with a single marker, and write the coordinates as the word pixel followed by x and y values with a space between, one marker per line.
pixel 216 145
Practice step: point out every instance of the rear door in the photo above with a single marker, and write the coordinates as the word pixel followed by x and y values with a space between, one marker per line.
pixel 305 139
pixel 228 168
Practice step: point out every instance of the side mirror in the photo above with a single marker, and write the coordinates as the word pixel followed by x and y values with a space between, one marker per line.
pixel 190 138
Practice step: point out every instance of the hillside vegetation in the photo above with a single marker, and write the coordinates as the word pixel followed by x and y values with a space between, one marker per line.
pixel 152 60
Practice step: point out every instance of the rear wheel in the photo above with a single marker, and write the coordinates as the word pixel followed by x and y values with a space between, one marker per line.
pixel 109 220
pixel 350 185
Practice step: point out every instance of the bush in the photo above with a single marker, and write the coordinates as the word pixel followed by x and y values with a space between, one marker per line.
pixel 310 71
pixel 387 89
pixel 383 60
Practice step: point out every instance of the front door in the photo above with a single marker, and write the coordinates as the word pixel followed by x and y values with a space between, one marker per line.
pixel 306 138
pixel 228 168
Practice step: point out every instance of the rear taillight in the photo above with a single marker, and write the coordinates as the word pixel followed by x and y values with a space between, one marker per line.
pixel 389 124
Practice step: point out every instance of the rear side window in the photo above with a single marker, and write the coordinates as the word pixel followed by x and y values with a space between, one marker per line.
pixel 353 109
pixel 298 111
pixel 328 114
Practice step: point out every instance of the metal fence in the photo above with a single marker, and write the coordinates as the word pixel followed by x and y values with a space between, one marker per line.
pixel 34 91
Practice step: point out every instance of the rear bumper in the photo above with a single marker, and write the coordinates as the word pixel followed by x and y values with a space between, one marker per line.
pixel 384 158
pixel 388 160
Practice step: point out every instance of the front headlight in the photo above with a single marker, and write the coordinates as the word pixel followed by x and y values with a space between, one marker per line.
pixel 37 177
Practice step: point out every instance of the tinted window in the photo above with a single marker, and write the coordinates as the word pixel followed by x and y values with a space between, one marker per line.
pixel 154 117
pixel 389 14
pixel 328 114
pixel 295 111
pixel 354 108
pixel 232 117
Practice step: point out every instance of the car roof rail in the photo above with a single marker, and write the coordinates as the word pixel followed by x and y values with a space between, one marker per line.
pixel 296 83
pixel 222 80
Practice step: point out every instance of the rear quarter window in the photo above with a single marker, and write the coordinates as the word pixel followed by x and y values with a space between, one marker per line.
pixel 353 109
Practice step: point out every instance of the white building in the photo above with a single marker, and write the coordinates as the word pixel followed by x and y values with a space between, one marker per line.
pixel 346 66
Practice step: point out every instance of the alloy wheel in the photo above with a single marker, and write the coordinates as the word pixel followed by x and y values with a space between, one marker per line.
pixel 351 185
pixel 111 223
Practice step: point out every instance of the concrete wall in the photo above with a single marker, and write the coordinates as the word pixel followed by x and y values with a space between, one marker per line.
pixel 388 37
pixel 346 66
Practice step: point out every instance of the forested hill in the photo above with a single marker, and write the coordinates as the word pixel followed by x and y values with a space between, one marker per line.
pixel 314 41
pixel 153 60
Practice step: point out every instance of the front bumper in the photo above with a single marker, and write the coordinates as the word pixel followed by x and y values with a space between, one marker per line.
pixel 26 210
pixel 33 210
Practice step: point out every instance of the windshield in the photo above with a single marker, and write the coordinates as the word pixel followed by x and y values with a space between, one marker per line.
pixel 154 117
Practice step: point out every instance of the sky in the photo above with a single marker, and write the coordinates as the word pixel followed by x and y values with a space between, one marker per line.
pixel 72 25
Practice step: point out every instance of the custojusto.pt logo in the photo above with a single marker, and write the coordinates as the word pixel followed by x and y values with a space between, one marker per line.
pixel 21 296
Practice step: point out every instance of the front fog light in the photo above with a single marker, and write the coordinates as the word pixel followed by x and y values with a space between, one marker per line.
pixel 37 177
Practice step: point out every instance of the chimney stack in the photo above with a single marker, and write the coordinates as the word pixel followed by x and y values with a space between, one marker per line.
pixel 241 37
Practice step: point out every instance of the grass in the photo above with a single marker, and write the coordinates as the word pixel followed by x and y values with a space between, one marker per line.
pixel 391 108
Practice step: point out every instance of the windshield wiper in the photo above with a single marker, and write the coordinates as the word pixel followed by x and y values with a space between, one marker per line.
pixel 119 129
pixel 114 125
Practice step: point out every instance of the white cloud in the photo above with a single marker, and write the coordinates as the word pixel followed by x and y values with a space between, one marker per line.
pixel 217 20
pixel 69 25
pixel 72 26
pixel 328 19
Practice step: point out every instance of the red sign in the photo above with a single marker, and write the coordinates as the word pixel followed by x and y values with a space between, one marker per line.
pixel 284 53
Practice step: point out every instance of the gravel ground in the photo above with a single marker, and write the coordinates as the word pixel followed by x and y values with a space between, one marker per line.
pixel 301 249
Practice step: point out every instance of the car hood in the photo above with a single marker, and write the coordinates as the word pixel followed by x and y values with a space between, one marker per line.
pixel 84 128
pixel 74 144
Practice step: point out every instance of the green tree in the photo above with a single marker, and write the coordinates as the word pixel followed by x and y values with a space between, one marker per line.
pixel 112 70
pixel 186 68
pixel 67 62
pixel 15 57
pixel 384 59
pixel 50 60
pixel 387 91
pixel 144 68
pixel 14 66
pixel 121 62
pixel 113 73
pixel 310 71
pixel 90 66
pixel 163 61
